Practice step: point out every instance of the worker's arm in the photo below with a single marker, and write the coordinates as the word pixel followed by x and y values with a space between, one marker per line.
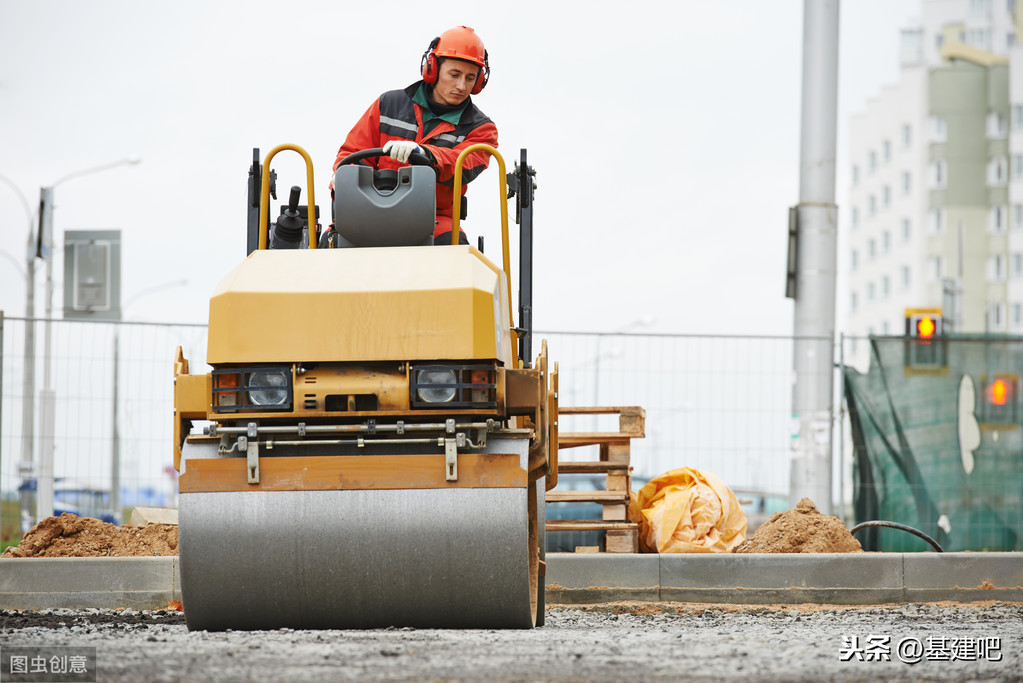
pixel 474 164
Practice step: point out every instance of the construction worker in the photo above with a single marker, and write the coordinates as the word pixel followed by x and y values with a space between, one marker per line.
pixel 434 116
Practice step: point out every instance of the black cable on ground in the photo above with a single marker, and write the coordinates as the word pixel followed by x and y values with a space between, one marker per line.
pixel 896 525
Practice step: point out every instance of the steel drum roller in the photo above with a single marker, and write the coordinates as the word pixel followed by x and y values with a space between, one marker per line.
pixel 439 558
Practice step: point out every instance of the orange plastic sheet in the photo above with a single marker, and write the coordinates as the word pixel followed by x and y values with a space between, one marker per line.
pixel 687 511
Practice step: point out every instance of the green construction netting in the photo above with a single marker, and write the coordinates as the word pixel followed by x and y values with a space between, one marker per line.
pixel 938 436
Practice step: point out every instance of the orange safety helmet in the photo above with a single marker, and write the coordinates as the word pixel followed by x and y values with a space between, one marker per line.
pixel 461 43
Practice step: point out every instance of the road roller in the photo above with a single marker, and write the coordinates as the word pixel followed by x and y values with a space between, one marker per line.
pixel 373 440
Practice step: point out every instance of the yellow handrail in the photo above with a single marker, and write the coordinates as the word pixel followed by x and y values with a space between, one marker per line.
pixel 456 213
pixel 264 200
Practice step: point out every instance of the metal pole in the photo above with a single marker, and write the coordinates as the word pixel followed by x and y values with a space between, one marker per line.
pixel 1 417
pixel 44 476
pixel 814 311
pixel 841 426
pixel 26 469
pixel 115 458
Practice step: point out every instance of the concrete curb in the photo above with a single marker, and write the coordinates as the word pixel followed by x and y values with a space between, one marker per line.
pixel 83 582
pixel 869 578
pixel 839 578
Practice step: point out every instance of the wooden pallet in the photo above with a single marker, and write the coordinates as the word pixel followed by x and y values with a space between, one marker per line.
pixel 620 535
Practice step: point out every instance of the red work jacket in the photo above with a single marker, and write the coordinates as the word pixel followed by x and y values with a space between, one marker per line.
pixel 394 116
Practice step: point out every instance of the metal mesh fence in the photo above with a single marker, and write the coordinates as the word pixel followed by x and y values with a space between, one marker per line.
pixel 717 403
pixel 80 397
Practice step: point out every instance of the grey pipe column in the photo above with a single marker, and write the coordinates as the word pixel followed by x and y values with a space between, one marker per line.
pixel 814 312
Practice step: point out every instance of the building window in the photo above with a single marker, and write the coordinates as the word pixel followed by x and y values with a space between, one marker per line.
pixel 939 132
pixel 870 291
pixel 886 196
pixel 1010 39
pixel 939 173
pixel 906 231
pixel 872 205
pixel 996 125
pixel 904 276
pixel 1017 166
pixel 854 259
pixel 1017 315
pixel 1017 116
pixel 855 217
pixel 884 327
pixel 855 175
pixel 939 40
pixel 886 150
pixel 935 268
pixel 1017 216
pixel 852 301
pixel 906 182
pixel 977 37
pixel 907 135
pixel 886 286
pixel 871 249
pixel 996 219
pixel 872 160
pixel 996 317
pixel 996 171
pixel 886 241
pixel 980 8
pixel 937 220
pixel 996 268
pixel 1017 265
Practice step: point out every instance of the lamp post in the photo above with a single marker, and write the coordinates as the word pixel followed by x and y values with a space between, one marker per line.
pixel 29 371
pixel 115 453
pixel 44 475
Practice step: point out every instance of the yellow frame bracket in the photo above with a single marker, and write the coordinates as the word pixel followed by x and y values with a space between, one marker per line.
pixel 456 212
pixel 264 199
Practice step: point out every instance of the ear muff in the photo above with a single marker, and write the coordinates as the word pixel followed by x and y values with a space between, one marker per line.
pixel 428 65
pixel 481 81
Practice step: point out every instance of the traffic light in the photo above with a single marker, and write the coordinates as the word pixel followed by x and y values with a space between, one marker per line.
pixel 924 323
pixel 925 350
pixel 1000 400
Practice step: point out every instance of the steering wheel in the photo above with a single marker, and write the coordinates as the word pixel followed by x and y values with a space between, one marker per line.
pixel 416 159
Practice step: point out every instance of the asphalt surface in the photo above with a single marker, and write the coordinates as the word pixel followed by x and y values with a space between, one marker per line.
pixel 618 641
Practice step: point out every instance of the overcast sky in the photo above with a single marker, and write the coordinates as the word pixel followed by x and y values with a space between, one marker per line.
pixel 665 136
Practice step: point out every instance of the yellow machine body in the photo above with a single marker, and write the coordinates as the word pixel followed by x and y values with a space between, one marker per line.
pixel 395 303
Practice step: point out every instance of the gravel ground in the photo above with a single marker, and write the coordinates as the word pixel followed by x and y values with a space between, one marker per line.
pixel 618 641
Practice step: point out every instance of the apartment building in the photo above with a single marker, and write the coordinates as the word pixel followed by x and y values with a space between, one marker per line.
pixel 935 208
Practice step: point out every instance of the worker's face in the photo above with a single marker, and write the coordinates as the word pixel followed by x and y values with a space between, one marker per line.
pixel 455 80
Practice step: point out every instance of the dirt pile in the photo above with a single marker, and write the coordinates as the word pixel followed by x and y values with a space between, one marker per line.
pixel 803 530
pixel 72 536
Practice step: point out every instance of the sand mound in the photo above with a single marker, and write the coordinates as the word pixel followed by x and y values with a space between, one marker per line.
pixel 72 536
pixel 803 530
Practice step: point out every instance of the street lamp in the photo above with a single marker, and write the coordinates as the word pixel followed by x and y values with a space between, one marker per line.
pixel 115 454
pixel 29 371
pixel 44 475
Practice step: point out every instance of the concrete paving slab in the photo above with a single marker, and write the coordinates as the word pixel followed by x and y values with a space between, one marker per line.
pixel 111 582
pixel 576 578
pixel 773 571
pixel 983 571
pixel 616 570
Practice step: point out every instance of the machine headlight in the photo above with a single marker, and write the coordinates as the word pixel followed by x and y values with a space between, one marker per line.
pixel 436 385
pixel 268 388
pixel 252 388
pixel 453 386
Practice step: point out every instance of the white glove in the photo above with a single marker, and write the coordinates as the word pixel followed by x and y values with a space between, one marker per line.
pixel 399 150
